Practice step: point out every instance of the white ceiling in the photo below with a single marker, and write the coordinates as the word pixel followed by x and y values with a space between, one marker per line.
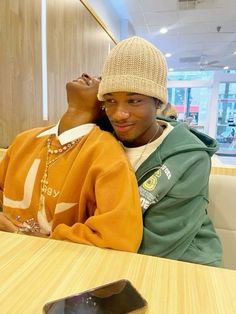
pixel 192 39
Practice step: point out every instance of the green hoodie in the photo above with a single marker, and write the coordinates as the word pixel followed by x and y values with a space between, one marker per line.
pixel 173 185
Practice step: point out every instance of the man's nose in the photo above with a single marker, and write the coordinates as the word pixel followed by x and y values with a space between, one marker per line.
pixel 120 112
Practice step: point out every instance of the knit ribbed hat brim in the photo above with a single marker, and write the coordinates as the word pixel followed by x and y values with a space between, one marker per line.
pixel 132 84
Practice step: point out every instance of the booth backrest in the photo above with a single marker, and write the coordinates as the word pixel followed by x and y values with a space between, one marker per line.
pixel 222 210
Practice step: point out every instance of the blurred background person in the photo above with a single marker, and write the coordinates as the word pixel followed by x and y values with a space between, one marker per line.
pixel 167 110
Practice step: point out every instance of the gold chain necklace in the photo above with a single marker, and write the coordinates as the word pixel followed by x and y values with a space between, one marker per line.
pixel 30 226
pixel 146 145
pixel 59 152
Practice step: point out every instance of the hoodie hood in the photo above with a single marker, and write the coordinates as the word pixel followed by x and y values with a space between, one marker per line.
pixel 180 141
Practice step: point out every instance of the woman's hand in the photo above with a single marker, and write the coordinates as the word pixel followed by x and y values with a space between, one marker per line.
pixel 1 199
pixel 7 225
pixel 10 225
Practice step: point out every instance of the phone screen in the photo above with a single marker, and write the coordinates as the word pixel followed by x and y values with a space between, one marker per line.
pixel 119 297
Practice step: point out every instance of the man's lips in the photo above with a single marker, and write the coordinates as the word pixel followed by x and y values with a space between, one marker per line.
pixel 122 127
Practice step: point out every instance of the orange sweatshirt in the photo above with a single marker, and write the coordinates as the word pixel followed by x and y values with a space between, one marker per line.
pixel 92 195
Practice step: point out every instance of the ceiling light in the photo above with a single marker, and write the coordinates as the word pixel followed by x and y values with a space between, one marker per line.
pixel 235 52
pixel 226 68
pixel 168 55
pixel 163 30
pixel 171 69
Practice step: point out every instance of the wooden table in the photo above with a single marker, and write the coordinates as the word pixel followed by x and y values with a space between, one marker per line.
pixel 36 270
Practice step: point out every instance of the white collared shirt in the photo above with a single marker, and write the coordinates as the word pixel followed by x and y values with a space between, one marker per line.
pixel 69 135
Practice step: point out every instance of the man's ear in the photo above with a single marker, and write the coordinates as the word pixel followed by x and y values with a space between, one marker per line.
pixel 158 103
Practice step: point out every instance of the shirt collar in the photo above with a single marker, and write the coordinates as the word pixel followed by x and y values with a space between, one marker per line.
pixel 69 135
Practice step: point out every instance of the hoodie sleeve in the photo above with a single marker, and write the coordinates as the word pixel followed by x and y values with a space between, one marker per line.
pixel 178 213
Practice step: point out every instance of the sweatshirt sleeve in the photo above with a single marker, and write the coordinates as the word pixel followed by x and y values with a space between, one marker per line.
pixel 179 211
pixel 2 179
pixel 117 218
pixel 3 169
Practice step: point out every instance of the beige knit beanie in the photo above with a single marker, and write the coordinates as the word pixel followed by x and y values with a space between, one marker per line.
pixel 134 65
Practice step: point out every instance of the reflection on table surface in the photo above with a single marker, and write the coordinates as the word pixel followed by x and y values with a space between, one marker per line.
pixel 35 271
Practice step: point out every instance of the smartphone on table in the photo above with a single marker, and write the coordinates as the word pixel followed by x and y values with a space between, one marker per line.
pixel 118 297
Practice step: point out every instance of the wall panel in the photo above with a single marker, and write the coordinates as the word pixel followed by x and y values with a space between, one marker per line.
pixel 76 43
pixel 20 67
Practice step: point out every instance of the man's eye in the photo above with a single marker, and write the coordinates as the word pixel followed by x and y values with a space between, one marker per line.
pixel 133 101
pixel 110 101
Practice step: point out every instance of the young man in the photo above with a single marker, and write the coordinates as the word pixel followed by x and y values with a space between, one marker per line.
pixel 172 162
pixel 72 181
